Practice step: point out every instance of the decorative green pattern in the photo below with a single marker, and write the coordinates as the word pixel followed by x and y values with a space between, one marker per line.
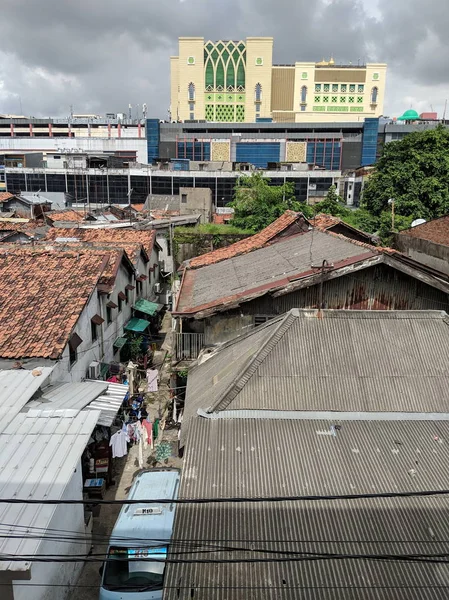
pixel 224 113
pixel 351 99
pixel 334 99
pixel 225 66
pixel 239 113
pixel 356 109
pixel 320 108
pixel 326 99
pixel 317 99
pixel 209 112
pixel 360 99
pixel 337 108
pixel 376 76
pixel 304 75
pixel 259 61
pixel 342 99
pixel 191 60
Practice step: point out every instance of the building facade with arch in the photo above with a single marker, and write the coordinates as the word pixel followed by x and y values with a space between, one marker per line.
pixel 237 82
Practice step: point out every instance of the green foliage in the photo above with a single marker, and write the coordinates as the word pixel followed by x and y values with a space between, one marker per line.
pixel 135 346
pixel 362 219
pixel 415 172
pixel 385 231
pixel 257 204
pixel 210 229
pixel 332 204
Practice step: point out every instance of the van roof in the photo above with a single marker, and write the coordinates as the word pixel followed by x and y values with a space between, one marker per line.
pixel 142 530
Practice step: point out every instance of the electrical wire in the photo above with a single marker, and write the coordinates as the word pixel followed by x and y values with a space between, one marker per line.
pixel 232 500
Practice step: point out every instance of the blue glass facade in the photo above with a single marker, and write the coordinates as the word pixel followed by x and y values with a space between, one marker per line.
pixel 194 150
pixel 258 153
pixel 369 141
pixel 324 154
pixel 152 133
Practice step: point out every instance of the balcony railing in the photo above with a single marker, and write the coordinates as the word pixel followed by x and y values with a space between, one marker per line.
pixel 188 345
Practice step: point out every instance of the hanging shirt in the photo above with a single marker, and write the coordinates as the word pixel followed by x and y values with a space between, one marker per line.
pixel 152 375
pixel 118 444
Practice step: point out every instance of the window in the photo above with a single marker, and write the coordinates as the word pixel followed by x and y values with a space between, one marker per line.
pixel 261 319
pixel 360 89
pixel 74 342
pixel 119 301
pixel 191 92
pixel 73 355
pixel 303 108
pixel 335 87
pixel 374 93
pixel 326 87
pixel 192 116
pixel 108 314
pixel 184 198
pixel 126 296
pixel 125 566
pixel 258 93
pixel 304 94
pixel 344 88
pixel 93 331
pixel 352 88
pixel 318 87
pixel 192 106
pixel 139 287
pixel 56 157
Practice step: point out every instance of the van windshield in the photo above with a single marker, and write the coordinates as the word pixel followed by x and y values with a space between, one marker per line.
pixel 132 569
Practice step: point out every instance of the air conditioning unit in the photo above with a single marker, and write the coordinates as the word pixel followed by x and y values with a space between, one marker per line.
pixel 93 372
pixel 157 288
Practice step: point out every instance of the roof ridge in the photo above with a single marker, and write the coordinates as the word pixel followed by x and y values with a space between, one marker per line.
pixel 248 370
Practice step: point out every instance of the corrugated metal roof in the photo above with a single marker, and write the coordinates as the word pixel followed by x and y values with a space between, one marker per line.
pixel 265 269
pixel 74 396
pixel 38 457
pixel 109 403
pixel 17 386
pixel 238 458
pixel 348 361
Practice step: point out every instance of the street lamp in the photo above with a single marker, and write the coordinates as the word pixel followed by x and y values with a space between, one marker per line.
pixel 391 203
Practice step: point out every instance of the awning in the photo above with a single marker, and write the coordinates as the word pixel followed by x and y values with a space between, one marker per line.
pixel 75 341
pixel 97 319
pixel 111 304
pixel 137 325
pixel 147 307
pixel 142 278
pixel 120 342
pixel 109 403
pixel 130 287
pixel 122 296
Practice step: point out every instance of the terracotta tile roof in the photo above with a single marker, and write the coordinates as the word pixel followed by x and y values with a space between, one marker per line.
pixel 436 231
pixel 132 251
pixel 4 196
pixel 138 207
pixel 221 219
pixel 41 298
pixel 323 221
pixel 254 242
pixel 126 236
pixel 65 215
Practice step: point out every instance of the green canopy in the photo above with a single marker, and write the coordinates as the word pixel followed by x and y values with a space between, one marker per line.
pixel 147 307
pixel 137 325
pixel 120 342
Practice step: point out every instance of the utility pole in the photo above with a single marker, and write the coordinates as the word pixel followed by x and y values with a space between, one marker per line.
pixel 391 203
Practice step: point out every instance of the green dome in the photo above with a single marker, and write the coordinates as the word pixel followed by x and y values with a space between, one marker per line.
pixel 409 115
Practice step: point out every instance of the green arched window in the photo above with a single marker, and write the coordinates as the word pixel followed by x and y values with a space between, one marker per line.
pixel 230 75
pixel 209 73
pixel 219 75
pixel 241 74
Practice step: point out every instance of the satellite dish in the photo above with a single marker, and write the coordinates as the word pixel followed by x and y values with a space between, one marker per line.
pixel 417 222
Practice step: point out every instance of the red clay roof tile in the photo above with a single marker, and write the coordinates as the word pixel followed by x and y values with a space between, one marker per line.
pixel 249 244
pixel 436 231
pixel 41 298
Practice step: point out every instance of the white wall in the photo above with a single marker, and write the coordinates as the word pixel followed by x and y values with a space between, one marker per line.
pixel 66 517
pixel 88 144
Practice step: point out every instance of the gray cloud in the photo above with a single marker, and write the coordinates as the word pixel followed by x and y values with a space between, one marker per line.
pixel 100 55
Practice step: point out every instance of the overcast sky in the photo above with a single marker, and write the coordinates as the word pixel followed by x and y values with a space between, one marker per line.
pixel 101 55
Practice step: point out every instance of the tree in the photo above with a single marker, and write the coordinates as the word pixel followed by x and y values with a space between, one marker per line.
pixel 332 204
pixel 415 173
pixel 257 204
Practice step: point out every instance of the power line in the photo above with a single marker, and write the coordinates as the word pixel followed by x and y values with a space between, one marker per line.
pixel 232 500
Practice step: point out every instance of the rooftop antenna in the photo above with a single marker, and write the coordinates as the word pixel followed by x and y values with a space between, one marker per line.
pixel 130 112
pixel 444 114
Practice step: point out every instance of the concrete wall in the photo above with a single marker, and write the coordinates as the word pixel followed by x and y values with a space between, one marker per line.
pixel 66 518
pixel 428 253
pixel 85 144
pixel 199 202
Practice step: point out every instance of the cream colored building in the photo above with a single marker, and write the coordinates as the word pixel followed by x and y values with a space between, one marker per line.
pixel 236 81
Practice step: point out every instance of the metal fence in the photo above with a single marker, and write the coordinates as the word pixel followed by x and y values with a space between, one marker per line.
pixel 188 345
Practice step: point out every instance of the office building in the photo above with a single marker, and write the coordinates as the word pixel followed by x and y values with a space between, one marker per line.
pixel 236 81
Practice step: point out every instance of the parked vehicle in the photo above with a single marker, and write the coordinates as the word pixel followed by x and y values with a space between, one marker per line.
pixel 142 532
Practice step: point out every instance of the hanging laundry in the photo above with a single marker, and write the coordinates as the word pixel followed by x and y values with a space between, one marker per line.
pixel 152 376
pixel 118 444
pixel 149 428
